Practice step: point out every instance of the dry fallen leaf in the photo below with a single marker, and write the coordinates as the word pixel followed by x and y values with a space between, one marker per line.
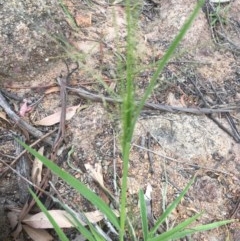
pixel 37 169
pixel 3 116
pixel 171 100
pixel 13 220
pixel 148 201
pixel 52 90
pixel 133 185
pixel 55 118
pixel 37 234
pixel 40 220
pixel 96 174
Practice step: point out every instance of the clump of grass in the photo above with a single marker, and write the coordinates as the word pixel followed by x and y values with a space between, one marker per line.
pixel 179 231
pixel 219 15
pixel 130 112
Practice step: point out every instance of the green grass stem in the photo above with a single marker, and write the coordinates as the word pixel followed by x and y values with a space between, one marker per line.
pixel 130 111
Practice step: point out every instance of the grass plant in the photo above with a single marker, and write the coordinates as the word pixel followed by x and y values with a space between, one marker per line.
pixel 175 233
pixel 129 115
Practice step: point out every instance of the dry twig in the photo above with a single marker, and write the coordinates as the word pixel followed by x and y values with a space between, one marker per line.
pixel 157 107
pixel 24 151
pixel 23 125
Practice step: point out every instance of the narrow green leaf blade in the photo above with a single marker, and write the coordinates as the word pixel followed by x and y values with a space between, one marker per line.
pixel 167 57
pixel 77 185
pixel 58 230
pixel 143 211
pixel 168 235
pixel 171 207
pixel 200 228
pixel 84 231
pixel 98 237
pixel 68 15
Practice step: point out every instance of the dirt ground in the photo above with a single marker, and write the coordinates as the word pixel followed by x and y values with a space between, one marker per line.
pixel 167 148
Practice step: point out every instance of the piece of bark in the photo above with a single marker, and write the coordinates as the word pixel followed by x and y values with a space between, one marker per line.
pixel 22 168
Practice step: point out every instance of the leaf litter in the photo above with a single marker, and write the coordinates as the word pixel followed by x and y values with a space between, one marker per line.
pixel 55 118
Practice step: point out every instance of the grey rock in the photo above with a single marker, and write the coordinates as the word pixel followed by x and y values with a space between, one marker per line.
pixel 28 29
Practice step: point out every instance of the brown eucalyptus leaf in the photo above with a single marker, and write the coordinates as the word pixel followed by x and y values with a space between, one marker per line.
pixel 62 218
pixel 52 90
pixel 37 234
pixel 13 220
pixel 37 169
pixel 95 172
pixel 3 116
pixel 55 118
pixel 97 175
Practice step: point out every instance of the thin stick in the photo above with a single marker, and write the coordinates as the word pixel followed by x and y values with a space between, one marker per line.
pixel 159 107
pixel 25 179
pixel 150 159
pixel 20 122
pixel 62 81
pixel 237 207
pixel 182 162
pixel 24 151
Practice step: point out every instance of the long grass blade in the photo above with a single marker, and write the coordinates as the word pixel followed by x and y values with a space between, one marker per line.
pixel 68 15
pixel 131 230
pixel 166 58
pixel 95 233
pixel 78 225
pixel 130 111
pixel 128 107
pixel 77 185
pixel 200 228
pixel 168 235
pixel 84 231
pixel 58 230
pixel 171 207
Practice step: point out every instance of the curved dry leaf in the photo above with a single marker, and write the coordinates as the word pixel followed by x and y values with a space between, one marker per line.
pixel 3 116
pixel 52 90
pixel 96 174
pixel 62 218
pixel 55 118
pixel 37 169
pixel 37 234
pixel 13 220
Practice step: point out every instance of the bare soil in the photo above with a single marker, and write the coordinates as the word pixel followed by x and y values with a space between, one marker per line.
pixel 204 72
